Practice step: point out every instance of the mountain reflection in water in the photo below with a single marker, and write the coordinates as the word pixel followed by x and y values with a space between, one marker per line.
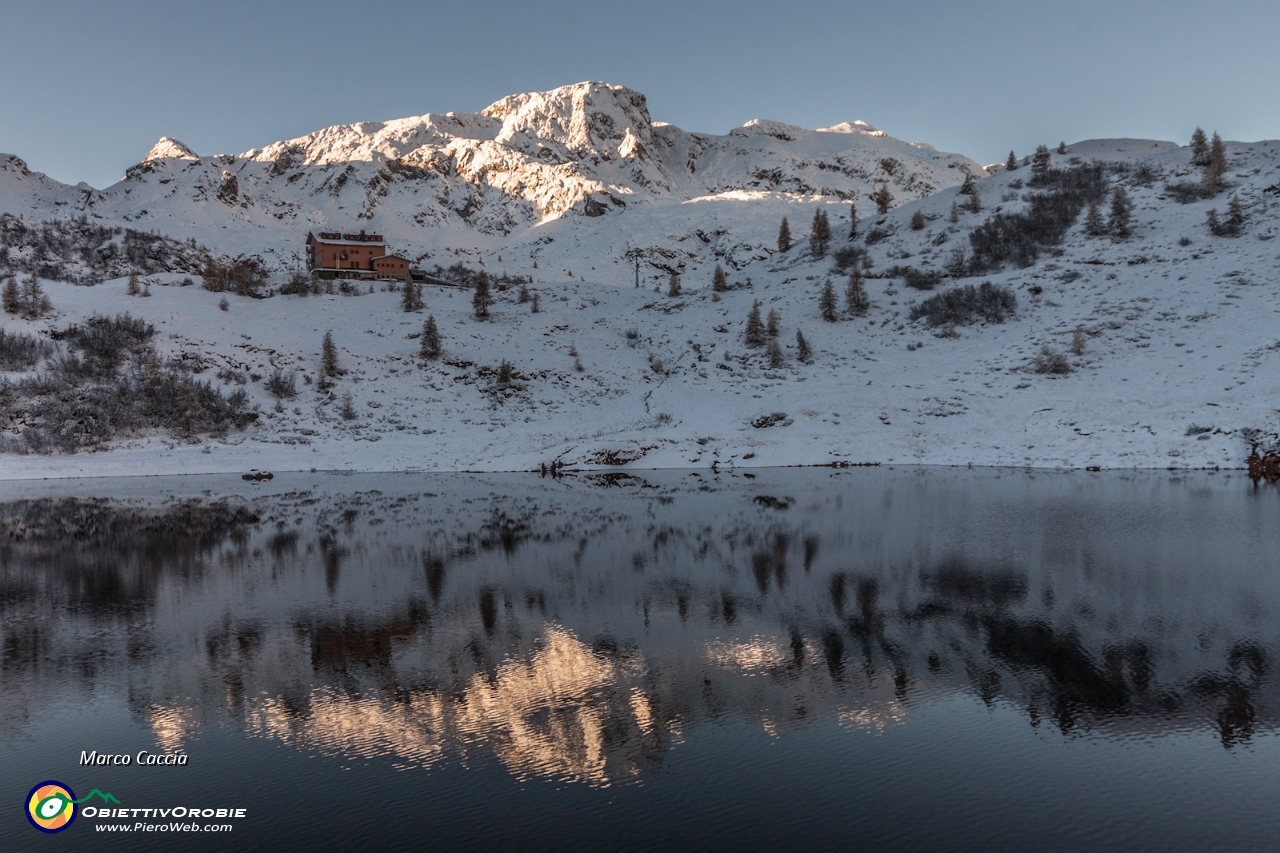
pixel 582 629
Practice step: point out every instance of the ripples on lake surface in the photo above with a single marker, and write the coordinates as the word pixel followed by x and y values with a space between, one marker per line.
pixel 873 659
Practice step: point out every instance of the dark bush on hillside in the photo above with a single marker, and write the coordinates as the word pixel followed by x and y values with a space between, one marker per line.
pixel 105 342
pixel 1186 192
pixel 244 276
pixel 1018 238
pixel 921 279
pixel 967 304
pixel 85 399
pixel 846 257
pixel 82 251
pixel 63 416
pixel 912 277
pixel 877 235
pixel 1051 362
pixel 1146 173
pixel 282 385
pixel 19 351
pixel 462 274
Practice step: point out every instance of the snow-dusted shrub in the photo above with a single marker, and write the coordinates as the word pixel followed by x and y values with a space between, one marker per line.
pixel 967 304
pixel 773 420
pixel 847 257
pixel 1019 237
pixel 20 352
pixel 80 251
pixel 63 415
pixel 1186 192
pixel 299 284
pixel 918 279
pixel 282 385
pixel 244 276
pixel 1052 362
pixel 1146 173
pixel 103 343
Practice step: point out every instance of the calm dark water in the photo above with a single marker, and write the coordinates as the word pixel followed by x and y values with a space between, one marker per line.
pixel 804 660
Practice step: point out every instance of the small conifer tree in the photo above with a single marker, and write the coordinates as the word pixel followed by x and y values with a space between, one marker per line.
pixel 784 236
pixel 1216 167
pixel 774 323
pixel 827 302
pixel 1062 147
pixel 1199 148
pixel 1012 163
pixel 718 281
pixel 1235 217
pixel 775 353
pixel 34 302
pixel 1121 219
pixel 853 221
pixel 1094 225
pixel 329 357
pixel 883 199
pixel 533 304
pixel 430 339
pixel 1040 164
pixel 955 213
pixel 673 285
pixel 802 348
pixel 524 293
pixel 754 334
pixel 855 294
pixel 133 288
pixel 223 304
pixel 408 296
pixel 967 187
pixel 820 236
pixel 917 221
pixel 12 298
pixel 1215 226
pixel 482 298
pixel 975 202
pixel 1077 341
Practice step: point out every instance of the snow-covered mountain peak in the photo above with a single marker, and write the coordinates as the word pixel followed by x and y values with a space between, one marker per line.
pixel 501 176
pixel 852 127
pixel 586 118
pixel 170 148
pixel 769 127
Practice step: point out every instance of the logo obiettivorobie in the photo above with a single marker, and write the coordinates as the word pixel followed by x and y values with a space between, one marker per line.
pixel 51 805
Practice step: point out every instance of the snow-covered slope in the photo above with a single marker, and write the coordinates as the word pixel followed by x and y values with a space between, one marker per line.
pixel 492 182
pixel 1179 333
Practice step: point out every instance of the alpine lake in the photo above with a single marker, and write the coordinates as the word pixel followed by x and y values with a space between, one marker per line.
pixel 880 659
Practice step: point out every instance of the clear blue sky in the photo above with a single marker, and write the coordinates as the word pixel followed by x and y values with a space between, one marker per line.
pixel 88 87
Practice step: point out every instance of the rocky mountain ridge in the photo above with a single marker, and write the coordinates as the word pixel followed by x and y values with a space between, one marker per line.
pixel 503 177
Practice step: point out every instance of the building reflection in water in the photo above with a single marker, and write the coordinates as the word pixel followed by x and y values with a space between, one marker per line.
pixel 583 628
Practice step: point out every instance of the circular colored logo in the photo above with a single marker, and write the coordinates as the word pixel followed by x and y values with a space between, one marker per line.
pixel 51 806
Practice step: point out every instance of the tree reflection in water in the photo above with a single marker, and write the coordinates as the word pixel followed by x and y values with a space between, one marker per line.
pixel 582 628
